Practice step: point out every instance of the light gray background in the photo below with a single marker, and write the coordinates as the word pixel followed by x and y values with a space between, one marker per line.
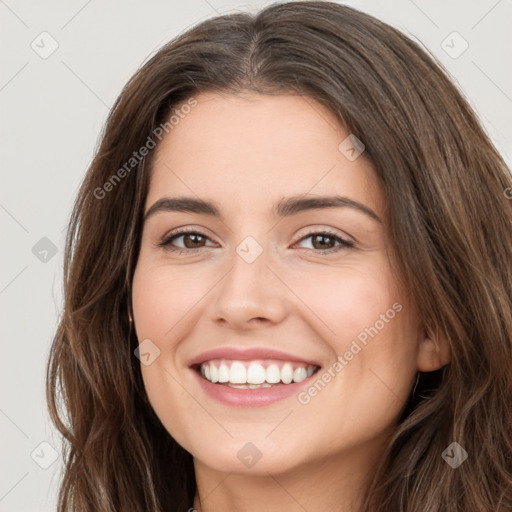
pixel 52 111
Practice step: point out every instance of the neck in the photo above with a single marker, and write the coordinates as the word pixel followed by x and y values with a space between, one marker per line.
pixel 337 483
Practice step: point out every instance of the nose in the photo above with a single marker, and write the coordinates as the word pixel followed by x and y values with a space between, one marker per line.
pixel 251 295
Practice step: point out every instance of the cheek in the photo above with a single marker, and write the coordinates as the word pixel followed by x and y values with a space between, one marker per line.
pixel 162 296
pixel 172 403
pixel 366 320
pixel 347 299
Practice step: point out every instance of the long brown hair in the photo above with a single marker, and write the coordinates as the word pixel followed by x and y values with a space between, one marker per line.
pixel 450 220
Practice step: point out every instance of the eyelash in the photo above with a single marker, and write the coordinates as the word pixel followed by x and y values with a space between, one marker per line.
pixel 344 244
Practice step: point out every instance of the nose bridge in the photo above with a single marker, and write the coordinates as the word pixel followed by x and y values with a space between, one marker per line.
pixel 250 289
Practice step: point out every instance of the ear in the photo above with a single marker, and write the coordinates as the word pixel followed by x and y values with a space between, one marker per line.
pixel 433 351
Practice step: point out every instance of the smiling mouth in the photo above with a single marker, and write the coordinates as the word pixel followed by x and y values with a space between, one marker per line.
pixel 256 374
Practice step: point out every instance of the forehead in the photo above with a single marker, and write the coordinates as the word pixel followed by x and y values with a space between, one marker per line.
pixel 253 149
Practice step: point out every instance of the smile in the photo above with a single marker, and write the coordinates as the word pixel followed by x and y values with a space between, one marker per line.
pixel 256 374
pixel 251 376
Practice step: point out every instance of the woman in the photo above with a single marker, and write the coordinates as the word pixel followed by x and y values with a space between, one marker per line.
pixel 288 282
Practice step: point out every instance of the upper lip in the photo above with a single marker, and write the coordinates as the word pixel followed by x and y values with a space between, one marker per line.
pixel 247 354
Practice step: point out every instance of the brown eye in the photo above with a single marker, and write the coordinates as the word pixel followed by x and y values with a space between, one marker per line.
pixel 325 242
pixel 192 240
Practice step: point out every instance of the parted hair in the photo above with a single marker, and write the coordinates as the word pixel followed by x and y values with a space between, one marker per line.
pixel 449 206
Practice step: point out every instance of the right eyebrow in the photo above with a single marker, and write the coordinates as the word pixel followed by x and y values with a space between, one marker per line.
pixel 183 204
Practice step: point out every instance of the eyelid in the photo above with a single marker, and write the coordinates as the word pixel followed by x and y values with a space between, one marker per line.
pixel 319 228
pixel 344 243
pixel 183 231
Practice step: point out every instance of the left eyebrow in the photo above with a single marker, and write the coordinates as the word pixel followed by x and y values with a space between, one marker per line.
pixel 284 208
pixel 292 205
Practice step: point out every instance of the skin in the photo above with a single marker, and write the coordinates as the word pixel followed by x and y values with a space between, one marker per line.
pixel 245 153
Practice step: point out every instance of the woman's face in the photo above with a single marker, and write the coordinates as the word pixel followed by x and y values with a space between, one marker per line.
pixel 256 292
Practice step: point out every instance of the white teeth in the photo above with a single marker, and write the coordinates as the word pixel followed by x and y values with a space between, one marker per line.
pixel 287 373
pixel 214 373
pixel 254 375
pixel 250 386
pixel 237 373
pixel 273 374
pixel 223 373
pixel 300 374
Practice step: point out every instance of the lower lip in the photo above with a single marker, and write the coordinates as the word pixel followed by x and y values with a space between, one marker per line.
pixel 250 397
